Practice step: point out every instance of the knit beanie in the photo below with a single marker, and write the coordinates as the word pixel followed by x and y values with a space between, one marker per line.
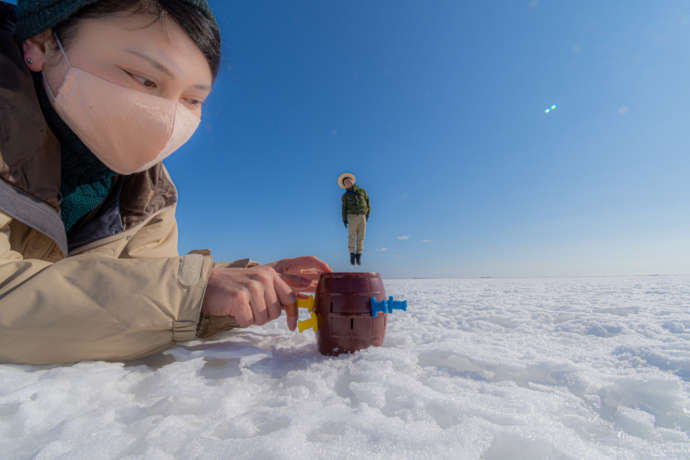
pixel 35 16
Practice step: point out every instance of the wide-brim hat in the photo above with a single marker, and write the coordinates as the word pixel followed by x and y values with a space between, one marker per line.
pixel 343 176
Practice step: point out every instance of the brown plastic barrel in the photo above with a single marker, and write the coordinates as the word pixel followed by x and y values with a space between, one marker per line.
pixel 343 306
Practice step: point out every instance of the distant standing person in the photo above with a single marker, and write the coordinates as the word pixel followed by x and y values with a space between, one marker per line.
pixel 356 211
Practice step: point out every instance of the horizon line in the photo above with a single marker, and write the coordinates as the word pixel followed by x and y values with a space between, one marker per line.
pixel 532 277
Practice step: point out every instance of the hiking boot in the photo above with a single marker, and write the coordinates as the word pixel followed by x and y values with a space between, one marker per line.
pixel 359 259
pixel 352 258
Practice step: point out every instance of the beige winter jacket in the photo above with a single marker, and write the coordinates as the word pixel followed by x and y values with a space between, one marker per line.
pixel 120 291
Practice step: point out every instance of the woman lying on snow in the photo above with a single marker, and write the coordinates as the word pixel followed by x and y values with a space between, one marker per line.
pixel 94 94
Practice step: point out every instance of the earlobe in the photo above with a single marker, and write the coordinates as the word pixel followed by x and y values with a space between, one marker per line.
pixel 35 51
pixel 34 64
pixel 31 56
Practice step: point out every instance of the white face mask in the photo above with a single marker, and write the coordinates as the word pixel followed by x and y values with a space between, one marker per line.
pixel 129 131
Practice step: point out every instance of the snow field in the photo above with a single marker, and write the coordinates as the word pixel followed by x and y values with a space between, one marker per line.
pixel 578 368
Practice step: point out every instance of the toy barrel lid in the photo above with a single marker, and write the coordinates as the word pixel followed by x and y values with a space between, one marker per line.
pixel 348 293
pixel 346 283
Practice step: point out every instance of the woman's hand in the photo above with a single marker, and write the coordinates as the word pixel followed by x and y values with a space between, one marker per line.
pixel 257 295
pixel 250 295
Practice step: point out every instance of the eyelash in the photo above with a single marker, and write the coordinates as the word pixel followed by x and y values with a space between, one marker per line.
pixel 137 78
pixel 197 102
pixel 194 102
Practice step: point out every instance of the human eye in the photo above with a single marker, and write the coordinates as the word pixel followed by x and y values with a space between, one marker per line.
pixel 143 81
pixel 195 103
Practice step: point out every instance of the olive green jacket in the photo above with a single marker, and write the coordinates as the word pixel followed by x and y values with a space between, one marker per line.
pixel 356 201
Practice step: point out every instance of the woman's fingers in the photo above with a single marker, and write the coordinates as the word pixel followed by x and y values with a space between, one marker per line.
pixel 292 315
pixel 273 306
pixel 309 262
pixel 311 278
pixel 288 299
pixel 239 307
pixel 283 290
pixel 321 266
pixel 296 283
pixel 300 265
pixel 258 301
pixel 265 276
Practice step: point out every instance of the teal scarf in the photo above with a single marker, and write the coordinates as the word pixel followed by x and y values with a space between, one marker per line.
pixel 86 181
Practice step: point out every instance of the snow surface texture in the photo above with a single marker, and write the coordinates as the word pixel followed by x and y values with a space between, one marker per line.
pixel 490 369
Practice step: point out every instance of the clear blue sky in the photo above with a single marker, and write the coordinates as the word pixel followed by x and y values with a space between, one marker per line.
pixel 438 107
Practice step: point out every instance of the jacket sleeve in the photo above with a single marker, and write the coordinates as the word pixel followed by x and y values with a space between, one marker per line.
pixel 95 307
pixel 344 209
pixel 366 196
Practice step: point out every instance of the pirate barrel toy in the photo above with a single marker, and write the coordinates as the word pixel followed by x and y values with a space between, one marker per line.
pixel 349 312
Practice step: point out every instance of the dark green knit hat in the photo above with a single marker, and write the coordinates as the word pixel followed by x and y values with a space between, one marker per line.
pixel 35 16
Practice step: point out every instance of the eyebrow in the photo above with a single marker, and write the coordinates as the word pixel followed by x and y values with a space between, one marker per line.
pixel 161 67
